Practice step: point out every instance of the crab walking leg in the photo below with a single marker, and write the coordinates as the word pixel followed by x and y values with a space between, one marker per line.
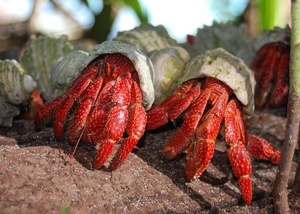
pixel 117 119
pixel 135 129
pixel 174 105
pixel 97 120
pixel 74 92
pixel 114 129
pixel 235 136
pixel 279 95
pixel 48 115
pixel 201 151
pixel 82 112
pixel 179 141
pixel 262 149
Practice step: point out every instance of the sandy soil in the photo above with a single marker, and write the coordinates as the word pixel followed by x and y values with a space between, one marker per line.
pixel 36 178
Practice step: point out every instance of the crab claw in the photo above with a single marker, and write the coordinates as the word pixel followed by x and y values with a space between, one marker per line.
pixel 135 129
pixel 262 149
pixel 117 118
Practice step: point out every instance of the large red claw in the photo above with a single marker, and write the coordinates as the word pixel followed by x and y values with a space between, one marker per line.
pixel 262 149
pixel 199 155
pixel 114 129
pixel 242 168
pixel 135 129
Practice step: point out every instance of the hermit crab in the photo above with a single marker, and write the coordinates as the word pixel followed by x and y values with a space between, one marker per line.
pixel 106 104
pixel 271 66
pixel 214 89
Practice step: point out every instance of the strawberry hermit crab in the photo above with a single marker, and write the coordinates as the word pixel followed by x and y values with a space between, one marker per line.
pixel 271 67
pixel 215 87
pixel 105 104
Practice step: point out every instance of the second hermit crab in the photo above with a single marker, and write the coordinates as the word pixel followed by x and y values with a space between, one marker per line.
pixel 106 104
pixel 213 89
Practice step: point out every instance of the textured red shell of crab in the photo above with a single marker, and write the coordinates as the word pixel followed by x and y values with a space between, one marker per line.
pixel 204 108
pixel 271 67
pixel 103 106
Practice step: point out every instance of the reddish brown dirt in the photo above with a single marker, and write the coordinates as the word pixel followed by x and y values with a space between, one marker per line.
pixel 35 177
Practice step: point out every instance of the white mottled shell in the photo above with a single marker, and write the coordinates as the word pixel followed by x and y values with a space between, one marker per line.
pixel 147 37
pixel 141 62
pixel 40 55
pixel 227 68
pixel 168 65
pixel 65 72
pixel 15 88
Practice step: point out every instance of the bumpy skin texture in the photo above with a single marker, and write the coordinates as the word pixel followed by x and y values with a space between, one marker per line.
pixel 103 106
pixel 271 67
pixel 204 105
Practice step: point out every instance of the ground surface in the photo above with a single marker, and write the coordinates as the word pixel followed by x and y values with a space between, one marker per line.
pixel 35 177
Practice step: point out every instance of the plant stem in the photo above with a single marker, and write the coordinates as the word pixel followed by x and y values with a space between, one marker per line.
pixel 293 117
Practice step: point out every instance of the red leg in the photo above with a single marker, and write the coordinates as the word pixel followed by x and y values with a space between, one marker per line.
pixel 264 64
pixel 114 129
pixel 74 92
pixel 135 130
pixel 180 140
pixel 279 94
pixel 201 151
pixel 174 105
pixel 235 135
pixel 82 112
pixel 262 149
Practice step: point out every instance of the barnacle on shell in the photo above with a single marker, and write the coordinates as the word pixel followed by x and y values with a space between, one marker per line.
pixel 15 88
pixel 40 55
pixel 227 68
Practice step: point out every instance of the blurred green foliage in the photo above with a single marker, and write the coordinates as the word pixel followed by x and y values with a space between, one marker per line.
pixel 105 19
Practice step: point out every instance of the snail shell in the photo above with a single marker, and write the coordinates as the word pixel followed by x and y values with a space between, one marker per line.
pixel 41 53
pixel 15 88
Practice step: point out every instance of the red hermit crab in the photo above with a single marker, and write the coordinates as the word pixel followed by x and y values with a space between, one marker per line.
pixel 105 104
pixel 271 67
pixel 213 89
